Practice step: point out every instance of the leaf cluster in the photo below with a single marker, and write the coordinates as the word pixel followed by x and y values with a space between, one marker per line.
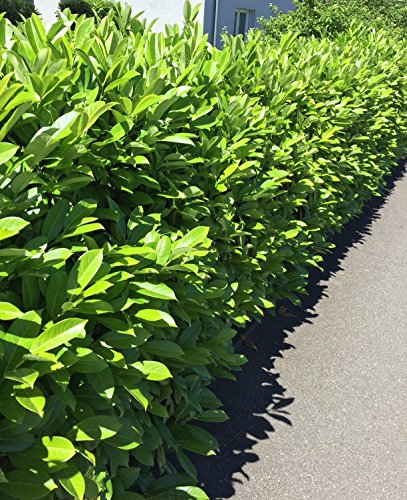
pixel 321 18
pixel 157 194
pixel 16 10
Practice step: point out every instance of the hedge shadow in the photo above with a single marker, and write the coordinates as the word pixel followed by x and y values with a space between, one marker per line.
pixel 259 396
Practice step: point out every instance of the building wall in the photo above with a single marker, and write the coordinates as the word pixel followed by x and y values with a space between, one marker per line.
pixel 226 13
pixel 171 12
pixel 165 11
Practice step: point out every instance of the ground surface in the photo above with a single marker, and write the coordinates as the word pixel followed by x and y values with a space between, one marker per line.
pixel 320 411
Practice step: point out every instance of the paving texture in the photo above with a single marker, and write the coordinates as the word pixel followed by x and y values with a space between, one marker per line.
pixel 320 411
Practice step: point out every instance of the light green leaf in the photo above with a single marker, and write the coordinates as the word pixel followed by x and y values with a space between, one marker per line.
pixel 27 376
pixel 32 399
pixel 85 229
pixel 9 312
pixel 7 151
pixel 62 125
pixel 10 226
pixel 187 10
pixel 145 103
pixel 163 250
pixel 97 288
pixel 156 316
pixel 90 263
pixel 95 110
pixel 153 370
pixel 72 480
pixel 157 291
pixel 180 139
pixel 59 449
pixel 139 396
pixel 292 233
pixel 58 334
pixel 193 238
pixel 57 255
pixel 14 252
pixel 94 306
pixel 193 492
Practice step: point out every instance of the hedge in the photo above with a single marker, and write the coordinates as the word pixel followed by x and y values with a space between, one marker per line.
pixel 157 194
pixel 329 18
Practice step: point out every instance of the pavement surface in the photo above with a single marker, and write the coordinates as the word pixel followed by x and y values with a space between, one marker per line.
pixel 320 410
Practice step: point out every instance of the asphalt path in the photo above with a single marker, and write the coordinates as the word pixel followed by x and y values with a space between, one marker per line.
pixel 320 410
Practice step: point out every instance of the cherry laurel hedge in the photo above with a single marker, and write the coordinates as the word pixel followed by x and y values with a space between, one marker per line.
pixel 156 194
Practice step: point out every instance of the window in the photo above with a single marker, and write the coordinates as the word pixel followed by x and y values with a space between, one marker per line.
pixel 242 21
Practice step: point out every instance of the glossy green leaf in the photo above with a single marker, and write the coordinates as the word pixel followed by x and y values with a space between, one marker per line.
pixel 10 226
pixel 58 334
pixel 163 250
pixel 27 484
pixel 139 396
pixel 180 139
pixel 26 376
pixel 193 238
pixel 145 103
pixel 158 291
pixel 55 220
pixel 9 311
pixel 96 428
pixel 90 263
pixel 32 399
pixel 72 480
pixel 213 416
pixel 193 492
pixel 56 293
pixel 59 449
pixel 7 151
pixel 12 443
pixel 163 348
pixel 103 383
pixel 156 316
pixel 153 370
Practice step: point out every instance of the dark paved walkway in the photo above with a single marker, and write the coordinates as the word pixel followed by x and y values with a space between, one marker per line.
pixel 320 412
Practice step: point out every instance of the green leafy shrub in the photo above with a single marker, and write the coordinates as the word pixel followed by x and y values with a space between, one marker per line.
pixel 16 10
pixel 87 7
pixel 331 17
pixel 157 193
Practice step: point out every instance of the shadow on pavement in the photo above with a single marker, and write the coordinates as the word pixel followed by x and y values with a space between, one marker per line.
pixel 258 396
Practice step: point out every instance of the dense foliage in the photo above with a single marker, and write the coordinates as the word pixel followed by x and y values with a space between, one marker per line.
pixel 87 7
pixel 330 17
pixel 157 193
pixel 16 10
